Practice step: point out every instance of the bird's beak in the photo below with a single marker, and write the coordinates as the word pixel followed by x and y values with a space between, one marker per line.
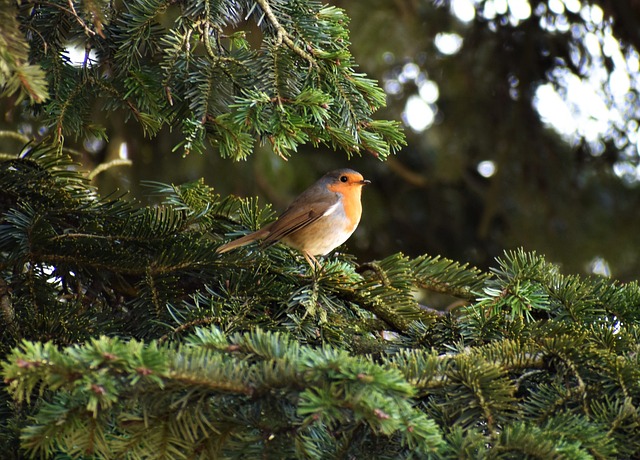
pixel 365 181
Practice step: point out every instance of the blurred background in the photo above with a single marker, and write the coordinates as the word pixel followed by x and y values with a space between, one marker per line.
pixel 521 119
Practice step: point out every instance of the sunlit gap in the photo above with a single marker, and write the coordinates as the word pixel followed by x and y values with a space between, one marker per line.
pixel 598 106
pixel 93 144
pixel 79 56
pixel 599 266
pixel 595 107
pixel 448 44
pixel 420 109
pixel 123 151
pixel 486 168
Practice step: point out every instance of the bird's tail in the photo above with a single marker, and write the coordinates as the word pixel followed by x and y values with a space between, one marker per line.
pixel 243 240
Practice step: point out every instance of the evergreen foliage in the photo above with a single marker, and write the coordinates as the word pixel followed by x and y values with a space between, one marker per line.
pixel 17 75
pixel 124 335
pixel 226 73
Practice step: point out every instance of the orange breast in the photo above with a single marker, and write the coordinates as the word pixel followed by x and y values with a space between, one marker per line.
pixel 351 194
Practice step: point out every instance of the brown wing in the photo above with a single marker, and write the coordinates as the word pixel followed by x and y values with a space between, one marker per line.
pixel 244 240
pixel 300 214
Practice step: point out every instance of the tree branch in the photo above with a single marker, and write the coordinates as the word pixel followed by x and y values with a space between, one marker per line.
pixel 282 34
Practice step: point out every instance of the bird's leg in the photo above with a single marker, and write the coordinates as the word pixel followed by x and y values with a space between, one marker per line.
pixel 312 261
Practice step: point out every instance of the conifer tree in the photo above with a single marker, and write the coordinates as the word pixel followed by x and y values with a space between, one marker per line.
pixel 124 335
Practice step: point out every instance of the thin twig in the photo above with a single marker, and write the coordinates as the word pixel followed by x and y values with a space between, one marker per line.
pixel 207 43
pixel 432 310
pixel 410 176
pixel 79 19
pixel 104 166
pixel 185 326
pixel 282 34
pixel 15 135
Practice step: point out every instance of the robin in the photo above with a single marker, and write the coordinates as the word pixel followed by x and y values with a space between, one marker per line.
pixel 322 218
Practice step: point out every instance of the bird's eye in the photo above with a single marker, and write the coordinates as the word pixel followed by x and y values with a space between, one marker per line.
pixel 343 178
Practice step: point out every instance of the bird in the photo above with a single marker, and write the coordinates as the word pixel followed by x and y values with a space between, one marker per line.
pixel 319 220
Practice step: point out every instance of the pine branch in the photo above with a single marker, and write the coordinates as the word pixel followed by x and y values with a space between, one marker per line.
pixel 17 75
pixel 200 74
pixel 282 34
pixel 196 379
pixel 350 364
pixel 448 277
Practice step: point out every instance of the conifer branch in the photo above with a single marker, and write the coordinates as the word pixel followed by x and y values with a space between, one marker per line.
pixel 158 74
pixel 6 308
pixel 282 34
pixel 383 311
pixel 72 11
pixel 184 327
